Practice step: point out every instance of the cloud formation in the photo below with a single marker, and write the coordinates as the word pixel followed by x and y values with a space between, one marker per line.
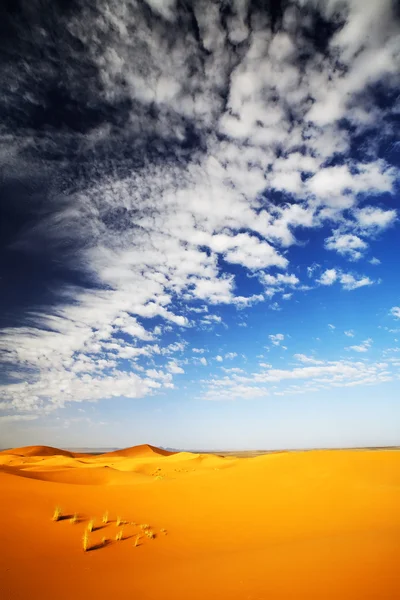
pixel 317 376
pixel 195 145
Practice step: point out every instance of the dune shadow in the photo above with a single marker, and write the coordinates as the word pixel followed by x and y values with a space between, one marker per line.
pixel 65 518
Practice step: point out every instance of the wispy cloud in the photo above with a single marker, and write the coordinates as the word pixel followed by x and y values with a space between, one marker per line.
pixel 316 378
pixel 276 338
pixel 4 419
pixel 363 347
pixel 307 359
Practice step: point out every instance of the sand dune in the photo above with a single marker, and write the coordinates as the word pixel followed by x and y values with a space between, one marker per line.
pixel 144 450
pixel 294 525
pixel 38 451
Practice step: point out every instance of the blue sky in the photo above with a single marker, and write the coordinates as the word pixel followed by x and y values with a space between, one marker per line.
pixel 200 226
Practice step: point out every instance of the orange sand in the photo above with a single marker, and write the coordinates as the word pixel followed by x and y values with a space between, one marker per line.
pixel 298 525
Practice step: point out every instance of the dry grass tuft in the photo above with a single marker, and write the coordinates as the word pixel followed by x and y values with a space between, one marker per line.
pixel 119 521
pixel 85 541
pixel 104 541
pixel 150 534
pixel 144 527
pixel 119 535
pixel 164 531
pixel 57 513
pixel 73 520
pixel 91 525
pixel 138 537
pixel 105 518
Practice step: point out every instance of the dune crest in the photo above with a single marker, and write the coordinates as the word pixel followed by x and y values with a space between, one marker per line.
pixel 38 451
pixel 141 451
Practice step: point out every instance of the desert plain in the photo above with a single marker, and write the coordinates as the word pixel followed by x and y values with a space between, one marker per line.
pixel 322 524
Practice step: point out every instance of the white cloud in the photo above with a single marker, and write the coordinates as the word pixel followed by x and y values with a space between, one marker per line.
pixel 219 358
pixel 395 312
pixel 230 355
pixel 4 419
pixel 280 279
pixel 331 326
pixel 278 283
pixel 174 368
pixel 307 359
pixel 375 261
pixel 328 277
pixel 203 360
pixel 313 378
pixel 363 347
pixel 198 350
pixel 245 301
pixel 276 338
pixel 275 306
pixel 346 244
pixel 349 333
pixel 209 318
pixel 250 252
pixel 131 326
pixel 374 218
pixel 347 280
pixel 312 268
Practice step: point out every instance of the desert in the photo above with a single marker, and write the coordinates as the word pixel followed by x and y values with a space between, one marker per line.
pixel 302 525
pixel 199 300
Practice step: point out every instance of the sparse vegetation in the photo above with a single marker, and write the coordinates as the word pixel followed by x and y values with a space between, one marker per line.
pixel 119 535
pixel 85 541
pixel 57 513
pixel 74 519
pixel 119 521
pixel 104 541
pixel 105 518
pixel 150 534
pixel 138 537
pixel 164 531
pixel 91 525
pixel 144 526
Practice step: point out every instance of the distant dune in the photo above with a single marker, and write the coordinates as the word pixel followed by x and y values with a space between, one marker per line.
pixel 278 526
pixel 38 451
pixel 141 451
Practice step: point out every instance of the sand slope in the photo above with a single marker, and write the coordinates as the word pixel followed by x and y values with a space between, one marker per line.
pixel 38 451
pixel 299 525
pixel 144 450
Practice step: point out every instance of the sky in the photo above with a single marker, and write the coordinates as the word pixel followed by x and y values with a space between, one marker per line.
pixel 199 223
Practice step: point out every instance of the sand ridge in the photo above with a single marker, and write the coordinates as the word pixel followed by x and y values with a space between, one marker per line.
pixel 143 450
pixel 38 451
pixel 301 525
